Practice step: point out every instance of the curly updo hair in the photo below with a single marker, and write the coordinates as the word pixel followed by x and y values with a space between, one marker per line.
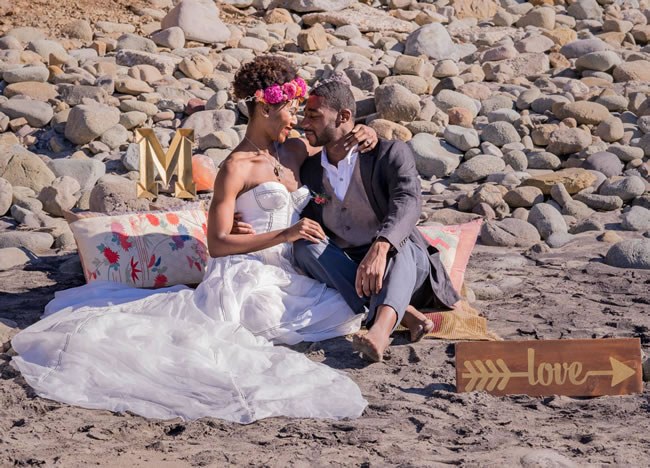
pixel 260 73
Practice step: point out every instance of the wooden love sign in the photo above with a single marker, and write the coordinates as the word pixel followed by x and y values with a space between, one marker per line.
pixel 553 367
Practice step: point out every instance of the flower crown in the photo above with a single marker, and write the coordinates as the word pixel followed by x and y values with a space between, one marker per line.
pixel 275 94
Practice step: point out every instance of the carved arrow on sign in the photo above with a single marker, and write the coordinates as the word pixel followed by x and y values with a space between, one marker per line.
pixel 488 374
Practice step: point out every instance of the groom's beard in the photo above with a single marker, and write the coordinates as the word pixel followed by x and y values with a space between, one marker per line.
pixel 314 140
pixel 321 139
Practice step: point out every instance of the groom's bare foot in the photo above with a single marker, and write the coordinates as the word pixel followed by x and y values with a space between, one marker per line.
pixel 417 323
pixel 371 347
pixel 374 344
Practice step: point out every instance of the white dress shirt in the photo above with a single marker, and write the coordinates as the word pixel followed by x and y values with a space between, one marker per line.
pixel 341 175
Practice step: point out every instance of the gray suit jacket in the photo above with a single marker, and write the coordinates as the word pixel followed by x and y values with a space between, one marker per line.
pixel 394 191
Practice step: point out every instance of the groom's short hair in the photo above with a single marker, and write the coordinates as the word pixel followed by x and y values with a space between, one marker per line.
pixel 336 95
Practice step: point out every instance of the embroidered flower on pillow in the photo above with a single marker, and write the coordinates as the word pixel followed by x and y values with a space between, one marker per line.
pixel 153 249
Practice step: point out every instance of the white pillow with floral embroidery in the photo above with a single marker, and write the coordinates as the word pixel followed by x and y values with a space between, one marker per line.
pixel 145 250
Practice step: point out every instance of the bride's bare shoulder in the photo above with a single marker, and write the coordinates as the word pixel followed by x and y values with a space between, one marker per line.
pixel 239 160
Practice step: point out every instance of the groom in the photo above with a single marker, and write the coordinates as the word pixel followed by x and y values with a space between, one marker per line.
pixel 368 204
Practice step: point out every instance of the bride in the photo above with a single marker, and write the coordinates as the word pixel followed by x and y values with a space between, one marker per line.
pixel 178 352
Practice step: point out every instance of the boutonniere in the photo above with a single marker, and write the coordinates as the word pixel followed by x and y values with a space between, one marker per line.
pixel 320 198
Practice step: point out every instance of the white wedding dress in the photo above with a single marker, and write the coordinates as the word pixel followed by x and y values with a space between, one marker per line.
pixel 178 352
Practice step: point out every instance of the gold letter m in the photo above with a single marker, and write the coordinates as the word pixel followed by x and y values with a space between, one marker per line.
pixel 153 160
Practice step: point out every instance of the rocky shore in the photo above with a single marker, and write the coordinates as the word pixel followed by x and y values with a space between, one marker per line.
pixel 534 116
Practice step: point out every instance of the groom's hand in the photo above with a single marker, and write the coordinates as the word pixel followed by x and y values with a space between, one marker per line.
pixel 240 227
pixel 370 274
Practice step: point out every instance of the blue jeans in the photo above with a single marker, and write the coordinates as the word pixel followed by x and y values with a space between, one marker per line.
pixel 406 276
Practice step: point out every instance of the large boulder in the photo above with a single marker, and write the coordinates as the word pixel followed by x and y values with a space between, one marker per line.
pixel 573 179
pixel 37 113
pixel 510 232
pixel 37 242
pixel 87 122
pixel 431 40
pixel 60 196
pixel 479 167
pixel 113 193
pixel 433 157
pixel 205 122
pixel 396 103
pixel 23 168
pixel 632 253
pixel 638 70
pixel 199 20
pixel 85 171
pixel 547 220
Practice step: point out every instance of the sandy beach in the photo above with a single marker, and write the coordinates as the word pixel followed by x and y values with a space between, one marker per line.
pixel 414 416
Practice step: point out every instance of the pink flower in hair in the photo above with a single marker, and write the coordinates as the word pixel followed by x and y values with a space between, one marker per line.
pixel 290 90
pixel 303 87
pixel 259 95
pixel 273 94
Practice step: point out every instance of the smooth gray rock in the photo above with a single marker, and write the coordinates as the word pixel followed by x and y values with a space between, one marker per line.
pixel 636 219
pixel 12 257
pixel 604 162
pixel 587 225
pixel 543 160
pixel 626 188
pixel 85 171
pixel 626 153
pixel 165 64
pixel 585 10
pixel 461 137
pixel 60 195
pixel 510 232
pixel 500 133
pixel 547 220
pixel 199 21
pixel 446 99
pixel 396 103
pixel 559 239
pixel 479 168
pixel 23 168
pixel 28 73
pixel 434 157
pixel 87 122
pixel 431 40
pixel 25 217
pixel 632 253
pixel 113 193
pixel 577 210
pixel 37 113
pixel 582 47
pixel 523 197
pixel 172 38
pixel 517 160
pixel 37 242
pixel 205 122
pixel 135 42
pixel 600 202
pixel 598 61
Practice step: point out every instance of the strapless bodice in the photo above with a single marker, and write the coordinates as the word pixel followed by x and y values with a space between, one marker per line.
pixel 271 206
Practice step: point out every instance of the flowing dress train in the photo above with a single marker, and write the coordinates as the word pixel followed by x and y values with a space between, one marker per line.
pixel 178 352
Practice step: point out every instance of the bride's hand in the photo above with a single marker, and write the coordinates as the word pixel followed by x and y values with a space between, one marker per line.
pixel 362 135
pixel 307 229
pixel 240 227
